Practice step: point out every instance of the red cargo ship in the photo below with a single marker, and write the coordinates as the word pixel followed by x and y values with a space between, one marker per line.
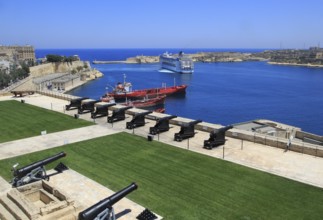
pixel 124 90
pixel 145 102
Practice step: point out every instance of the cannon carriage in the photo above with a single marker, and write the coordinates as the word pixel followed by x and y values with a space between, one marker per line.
pixel 138 120
pixel 101 110
pixel 187 131
pixel 75 103
pixel 87 106
pixel 103 210
pixel 217 138
pixel 161 125
pixel 35 171
pixel 118 114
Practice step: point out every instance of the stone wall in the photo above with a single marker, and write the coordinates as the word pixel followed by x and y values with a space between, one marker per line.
pixel 63 67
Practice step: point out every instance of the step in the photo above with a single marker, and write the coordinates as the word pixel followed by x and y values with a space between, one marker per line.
pixel 13 208
pixel 5 214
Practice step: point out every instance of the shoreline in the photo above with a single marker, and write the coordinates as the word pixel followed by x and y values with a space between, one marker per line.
pixel 296 64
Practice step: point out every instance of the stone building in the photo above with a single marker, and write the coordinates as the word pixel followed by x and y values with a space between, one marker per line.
pixel 19 53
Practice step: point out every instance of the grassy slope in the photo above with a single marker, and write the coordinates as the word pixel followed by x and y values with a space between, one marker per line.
pixel 179 184
pixel 19 121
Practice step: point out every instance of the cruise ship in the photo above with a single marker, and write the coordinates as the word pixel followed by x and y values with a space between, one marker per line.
pixel 179 63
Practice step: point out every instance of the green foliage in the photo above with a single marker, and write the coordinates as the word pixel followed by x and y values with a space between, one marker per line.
pixel 85 66
pixel 180 184
pixel 54 58
pixel 79 68
pixel 14 75
pixel 23 120
pixel 73 71
pixel 4 79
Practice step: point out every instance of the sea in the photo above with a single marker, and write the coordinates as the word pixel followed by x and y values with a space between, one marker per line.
pixel 222 93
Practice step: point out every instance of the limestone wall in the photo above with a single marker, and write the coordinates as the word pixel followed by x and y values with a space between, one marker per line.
pixel 62 67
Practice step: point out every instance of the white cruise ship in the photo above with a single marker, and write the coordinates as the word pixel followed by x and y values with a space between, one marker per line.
pixel 180 63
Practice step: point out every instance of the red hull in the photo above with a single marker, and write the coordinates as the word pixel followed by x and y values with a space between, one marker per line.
pixel 146 102
pixel 148 92
pixel 160 100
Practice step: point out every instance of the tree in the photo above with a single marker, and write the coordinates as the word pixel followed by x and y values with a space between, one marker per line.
pixel 54 58
pixel 79 68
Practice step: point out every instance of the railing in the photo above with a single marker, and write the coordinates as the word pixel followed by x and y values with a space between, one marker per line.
pixel 58 95
pixel 15 85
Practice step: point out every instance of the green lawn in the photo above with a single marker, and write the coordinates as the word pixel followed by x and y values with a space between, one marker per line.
pixel 19 121
pixel 179 184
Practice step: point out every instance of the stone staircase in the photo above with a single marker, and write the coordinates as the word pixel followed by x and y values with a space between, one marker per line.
pixel 35 201
pixel 10 210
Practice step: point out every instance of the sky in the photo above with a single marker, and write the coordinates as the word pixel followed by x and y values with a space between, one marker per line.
pixel 46 24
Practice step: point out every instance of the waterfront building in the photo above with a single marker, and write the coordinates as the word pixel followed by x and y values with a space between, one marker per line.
pixel 18 53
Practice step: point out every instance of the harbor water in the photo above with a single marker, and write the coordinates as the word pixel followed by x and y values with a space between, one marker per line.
pixel 221 93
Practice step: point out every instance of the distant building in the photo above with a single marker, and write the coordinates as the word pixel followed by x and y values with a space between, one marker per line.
pixel 18 53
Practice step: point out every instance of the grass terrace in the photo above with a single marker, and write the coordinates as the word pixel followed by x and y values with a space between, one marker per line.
pixel 179 184
pixel 20 120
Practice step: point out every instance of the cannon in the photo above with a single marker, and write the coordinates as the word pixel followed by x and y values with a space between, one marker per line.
pixel 138 120
pixel 35 171
pixel 101 110
pixel 75 103
pixel 217 138
pixel 118 114
pixel 103 209
pixel 187 131
pixel 161 125
pixel 87 106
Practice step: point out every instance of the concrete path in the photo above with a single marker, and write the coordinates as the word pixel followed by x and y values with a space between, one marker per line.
pixel 43 142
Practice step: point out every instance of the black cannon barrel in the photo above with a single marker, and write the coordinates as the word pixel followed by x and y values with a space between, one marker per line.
pixel 91 212
pixel 194 122
pixel 224 129
pixel 142 114
pixel 167 118
pixel 78 99
pixel 124 108
pixel 75 103
pixel 25 170
pixel 161 125
pixel 102 110
pixel 106 105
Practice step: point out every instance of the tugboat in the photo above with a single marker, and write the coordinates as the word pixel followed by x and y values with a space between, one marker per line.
pixel 124 90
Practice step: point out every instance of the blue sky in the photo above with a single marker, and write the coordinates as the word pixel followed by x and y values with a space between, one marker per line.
pixel 162 23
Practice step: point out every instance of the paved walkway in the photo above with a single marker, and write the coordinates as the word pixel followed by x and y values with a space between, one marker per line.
pixel 43 142
pixel 300 167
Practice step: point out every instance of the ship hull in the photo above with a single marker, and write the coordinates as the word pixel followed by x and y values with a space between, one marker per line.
pixel 150 92
pixel 150 102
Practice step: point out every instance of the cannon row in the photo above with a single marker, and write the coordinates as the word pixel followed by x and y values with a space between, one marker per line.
pixel 187 130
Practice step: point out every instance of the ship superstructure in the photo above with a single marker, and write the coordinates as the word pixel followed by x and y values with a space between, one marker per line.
pixel 180 62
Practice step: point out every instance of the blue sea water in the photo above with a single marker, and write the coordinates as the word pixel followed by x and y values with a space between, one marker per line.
pixel 223 93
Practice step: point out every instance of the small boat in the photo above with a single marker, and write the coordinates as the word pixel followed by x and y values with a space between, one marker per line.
pixel 145 102
pixel 124 90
